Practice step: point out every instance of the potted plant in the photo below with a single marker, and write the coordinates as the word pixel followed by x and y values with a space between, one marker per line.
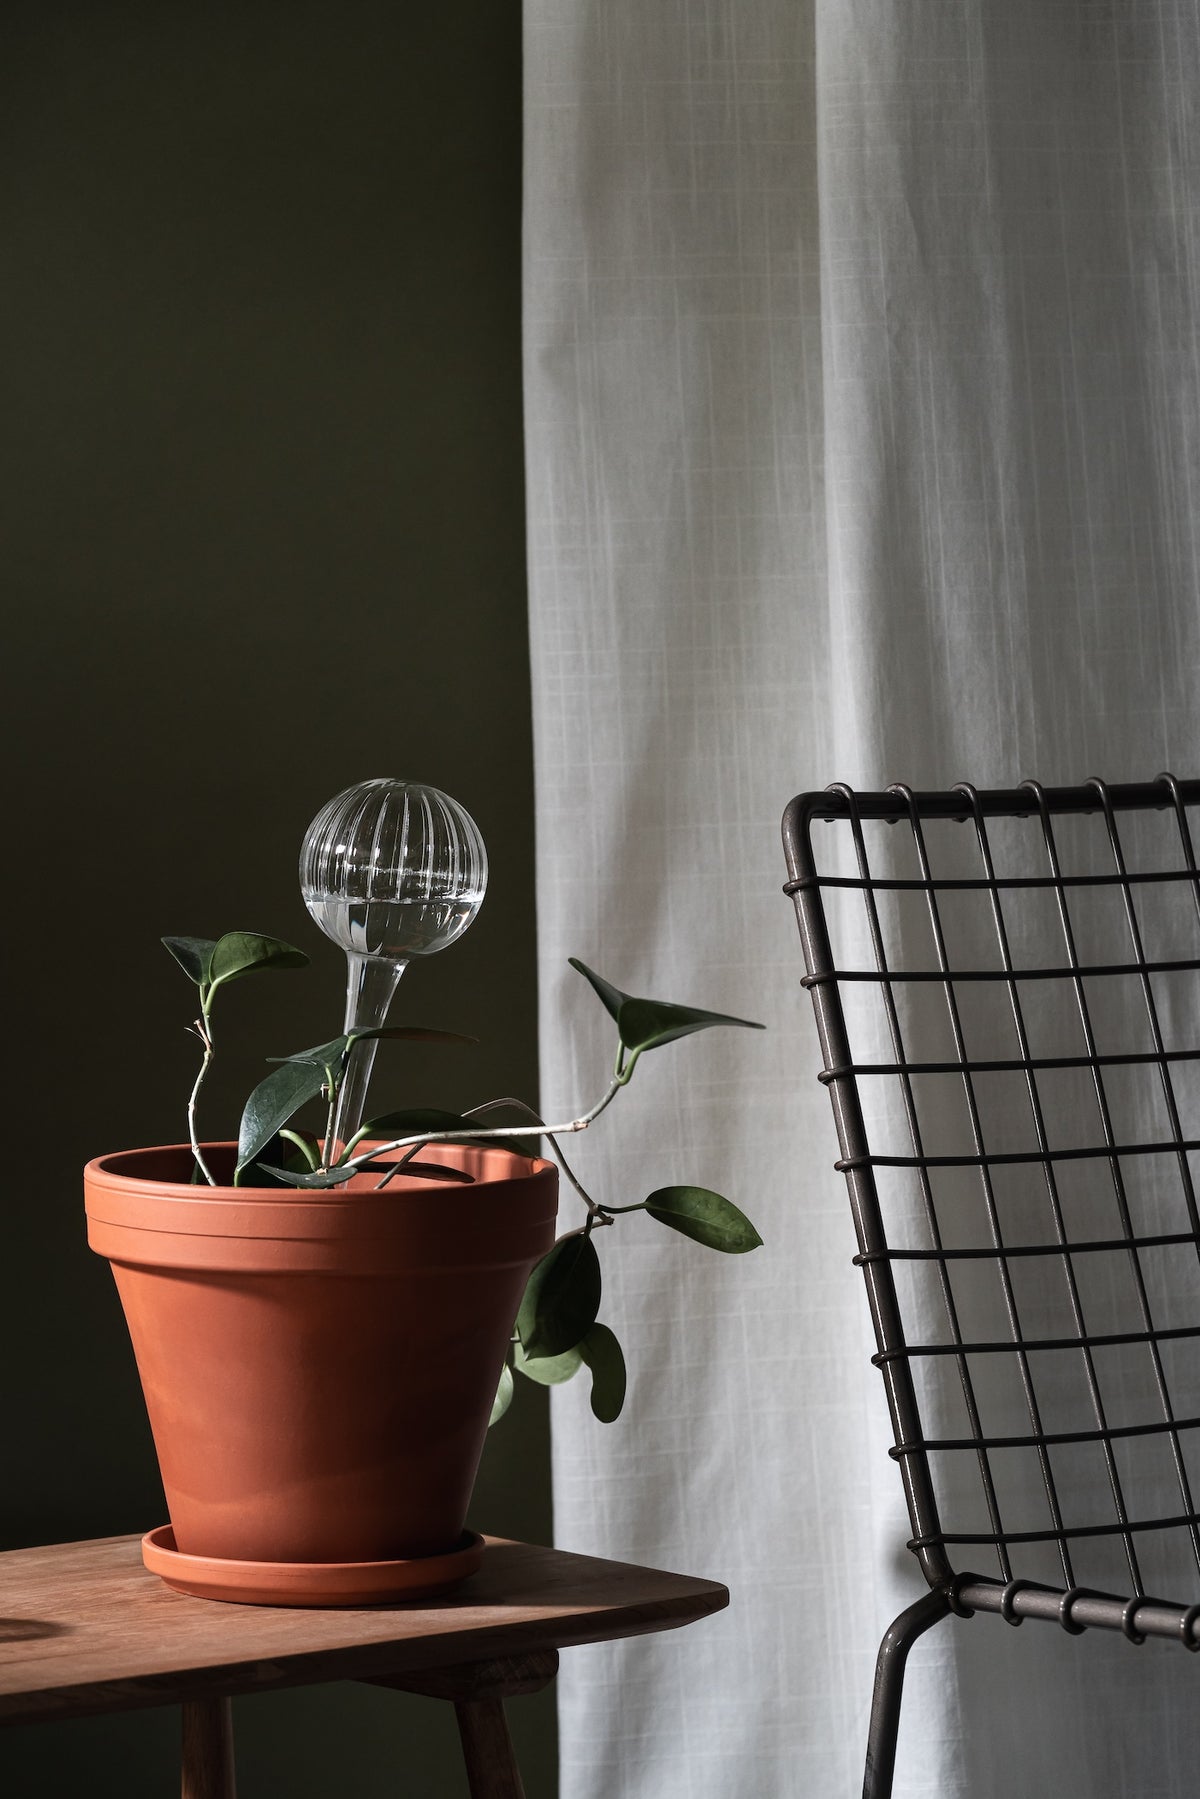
pixel 325 1327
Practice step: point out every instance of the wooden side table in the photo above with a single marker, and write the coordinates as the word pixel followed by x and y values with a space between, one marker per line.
pixel 85 1629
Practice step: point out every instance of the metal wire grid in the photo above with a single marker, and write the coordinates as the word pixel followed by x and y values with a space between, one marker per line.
pixel 1001 895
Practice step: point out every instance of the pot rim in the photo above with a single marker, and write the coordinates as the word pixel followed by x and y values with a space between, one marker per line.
pixel 144 1218
pixel 116 1171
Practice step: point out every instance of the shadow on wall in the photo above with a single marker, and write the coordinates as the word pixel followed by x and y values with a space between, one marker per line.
pixel 263 465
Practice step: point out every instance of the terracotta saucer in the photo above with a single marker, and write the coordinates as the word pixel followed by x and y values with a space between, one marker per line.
pixel 308 1583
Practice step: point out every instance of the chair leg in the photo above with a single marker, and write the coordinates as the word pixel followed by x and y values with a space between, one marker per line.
pixel 207 1750
pixel 898 1639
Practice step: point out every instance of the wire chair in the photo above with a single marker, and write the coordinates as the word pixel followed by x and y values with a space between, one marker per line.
pixel 1019 1140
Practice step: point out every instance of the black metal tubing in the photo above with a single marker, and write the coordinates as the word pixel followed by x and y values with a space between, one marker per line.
pixel 1084 1611
pixel 1135 1614
pixel 958 803
pixel 898 1639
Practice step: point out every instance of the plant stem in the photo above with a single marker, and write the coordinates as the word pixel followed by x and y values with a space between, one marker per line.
pixel 203 1029
pixel 596 1213
pixel 304 1146
pixel 328 1146
pixel 498 1134
pixel 493 1105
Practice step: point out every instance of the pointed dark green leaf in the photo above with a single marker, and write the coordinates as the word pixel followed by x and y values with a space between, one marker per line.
pixel 411 1033
pixel 338 1176
pixel 561 1299
pixel 602 1353
pixel 421 1121
pixel 504 1394
pixel 243 952
pixel 262 1173
pixel 321 1055
pixel 193 954
pixel 425 1171
pixel 416 1121
pixel 646 1023
pixel 328 1055
pixel 296 1177
pixel 612 996
pixel 705 1217
pixel 547 1370
pixel 272 1103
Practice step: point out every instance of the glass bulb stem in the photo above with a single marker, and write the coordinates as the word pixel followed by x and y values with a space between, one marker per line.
pixel 371 982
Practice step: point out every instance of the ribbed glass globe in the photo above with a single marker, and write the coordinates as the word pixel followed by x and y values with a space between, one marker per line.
pixel 393 869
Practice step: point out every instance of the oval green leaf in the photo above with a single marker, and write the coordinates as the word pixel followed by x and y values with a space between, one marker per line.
pixel 547 1370
pixel 272 1103
pixel 193 954
pixel 602 1353
pixel 503 1399
pixel 705 1217
pixel 561 1299
pixel 243 952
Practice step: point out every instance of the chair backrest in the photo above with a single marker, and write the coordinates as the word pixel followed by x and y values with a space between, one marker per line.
pixel 1007 992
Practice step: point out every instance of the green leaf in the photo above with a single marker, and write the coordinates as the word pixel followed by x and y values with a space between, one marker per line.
pixel 261 1173
pixel 416 1121
pixel 547 1370
pixel 272 1103
pixel 411 1033
pixel 297 1177
pixel 193 954
pixel 338 1175
pixel 321 1055
pixel 561 1299
pixel 242 952
pixel 504 1394
pixel 646 1023
pixel 425 1171
pixel 612 996
pixel 328 1055
pixel 602 1353
pixel 705 1217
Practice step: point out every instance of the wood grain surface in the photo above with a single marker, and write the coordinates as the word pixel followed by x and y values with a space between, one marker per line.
pixel 85 1629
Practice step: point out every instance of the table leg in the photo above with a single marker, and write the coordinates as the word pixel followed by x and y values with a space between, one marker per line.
pixel 492 1771
pixel 478 1690
pixel 207 1750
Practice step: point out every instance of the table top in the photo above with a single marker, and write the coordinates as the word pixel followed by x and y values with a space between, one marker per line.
pixel 85 1629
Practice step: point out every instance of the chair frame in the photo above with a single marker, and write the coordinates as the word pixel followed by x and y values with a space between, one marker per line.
pixel 1073 1607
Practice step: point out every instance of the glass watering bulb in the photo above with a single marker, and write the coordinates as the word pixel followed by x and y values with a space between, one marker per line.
pixel 390 870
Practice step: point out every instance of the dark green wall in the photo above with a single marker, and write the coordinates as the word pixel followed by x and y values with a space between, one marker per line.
pixel 261 489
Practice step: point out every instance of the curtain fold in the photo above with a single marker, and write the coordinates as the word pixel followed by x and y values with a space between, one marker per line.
pixel 862 421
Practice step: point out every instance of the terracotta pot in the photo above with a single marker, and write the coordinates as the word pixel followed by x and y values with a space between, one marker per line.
pixel 319 1369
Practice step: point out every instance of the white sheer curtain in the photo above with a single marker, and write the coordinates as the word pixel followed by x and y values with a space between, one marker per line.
pixel 863 422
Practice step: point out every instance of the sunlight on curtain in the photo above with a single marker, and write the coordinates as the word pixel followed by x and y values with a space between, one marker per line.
pixel 863 438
